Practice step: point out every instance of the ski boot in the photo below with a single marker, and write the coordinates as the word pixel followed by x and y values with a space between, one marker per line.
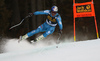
pixel 38 39
pixel 22 38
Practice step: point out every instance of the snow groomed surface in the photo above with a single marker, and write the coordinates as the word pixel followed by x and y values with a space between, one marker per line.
pixel 74 51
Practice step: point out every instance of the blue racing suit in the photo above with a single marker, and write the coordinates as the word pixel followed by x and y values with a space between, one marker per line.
pixel 49 26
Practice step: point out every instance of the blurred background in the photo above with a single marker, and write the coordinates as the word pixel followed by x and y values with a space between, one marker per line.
pixel 13 11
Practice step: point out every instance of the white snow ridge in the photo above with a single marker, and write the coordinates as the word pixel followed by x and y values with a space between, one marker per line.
pixel 74 51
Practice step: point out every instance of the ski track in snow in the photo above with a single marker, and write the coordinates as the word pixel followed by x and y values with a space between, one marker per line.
pixel 74 51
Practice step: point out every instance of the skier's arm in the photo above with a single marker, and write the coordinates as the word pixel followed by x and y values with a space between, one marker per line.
pixel 59 20
pixel 41 12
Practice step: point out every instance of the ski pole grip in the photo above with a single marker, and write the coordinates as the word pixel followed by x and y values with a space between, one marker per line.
pixel 30 15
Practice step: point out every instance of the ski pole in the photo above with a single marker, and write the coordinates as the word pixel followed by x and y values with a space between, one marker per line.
pixel 58 38
pixel 20 22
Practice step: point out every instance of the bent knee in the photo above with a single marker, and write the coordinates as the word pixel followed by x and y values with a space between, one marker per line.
pixel 47 33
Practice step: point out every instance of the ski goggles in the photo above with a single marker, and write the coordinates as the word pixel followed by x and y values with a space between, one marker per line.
pixel 54 12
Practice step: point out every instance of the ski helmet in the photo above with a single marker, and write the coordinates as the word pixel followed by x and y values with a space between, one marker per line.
pixel 54 8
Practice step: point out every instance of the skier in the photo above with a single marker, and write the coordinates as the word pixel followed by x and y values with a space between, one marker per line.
pixel 53 18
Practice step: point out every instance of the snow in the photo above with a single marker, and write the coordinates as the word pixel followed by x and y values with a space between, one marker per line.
pixel 74 51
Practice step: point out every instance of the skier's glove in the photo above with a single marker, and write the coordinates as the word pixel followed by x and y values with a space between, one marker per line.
pixel 60 31
pixel 30 14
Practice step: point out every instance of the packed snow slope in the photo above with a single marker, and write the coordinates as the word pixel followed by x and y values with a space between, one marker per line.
pixel 74 51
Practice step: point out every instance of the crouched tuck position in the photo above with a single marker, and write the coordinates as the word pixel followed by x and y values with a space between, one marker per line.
pixel 53 18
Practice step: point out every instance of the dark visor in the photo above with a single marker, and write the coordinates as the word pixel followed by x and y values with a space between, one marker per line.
pixel 54 12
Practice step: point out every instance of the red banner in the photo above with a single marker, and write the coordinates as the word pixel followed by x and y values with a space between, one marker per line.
pixel 83 9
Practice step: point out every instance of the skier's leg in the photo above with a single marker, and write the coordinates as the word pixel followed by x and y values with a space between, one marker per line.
pixel 49 31
pixel 39 29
